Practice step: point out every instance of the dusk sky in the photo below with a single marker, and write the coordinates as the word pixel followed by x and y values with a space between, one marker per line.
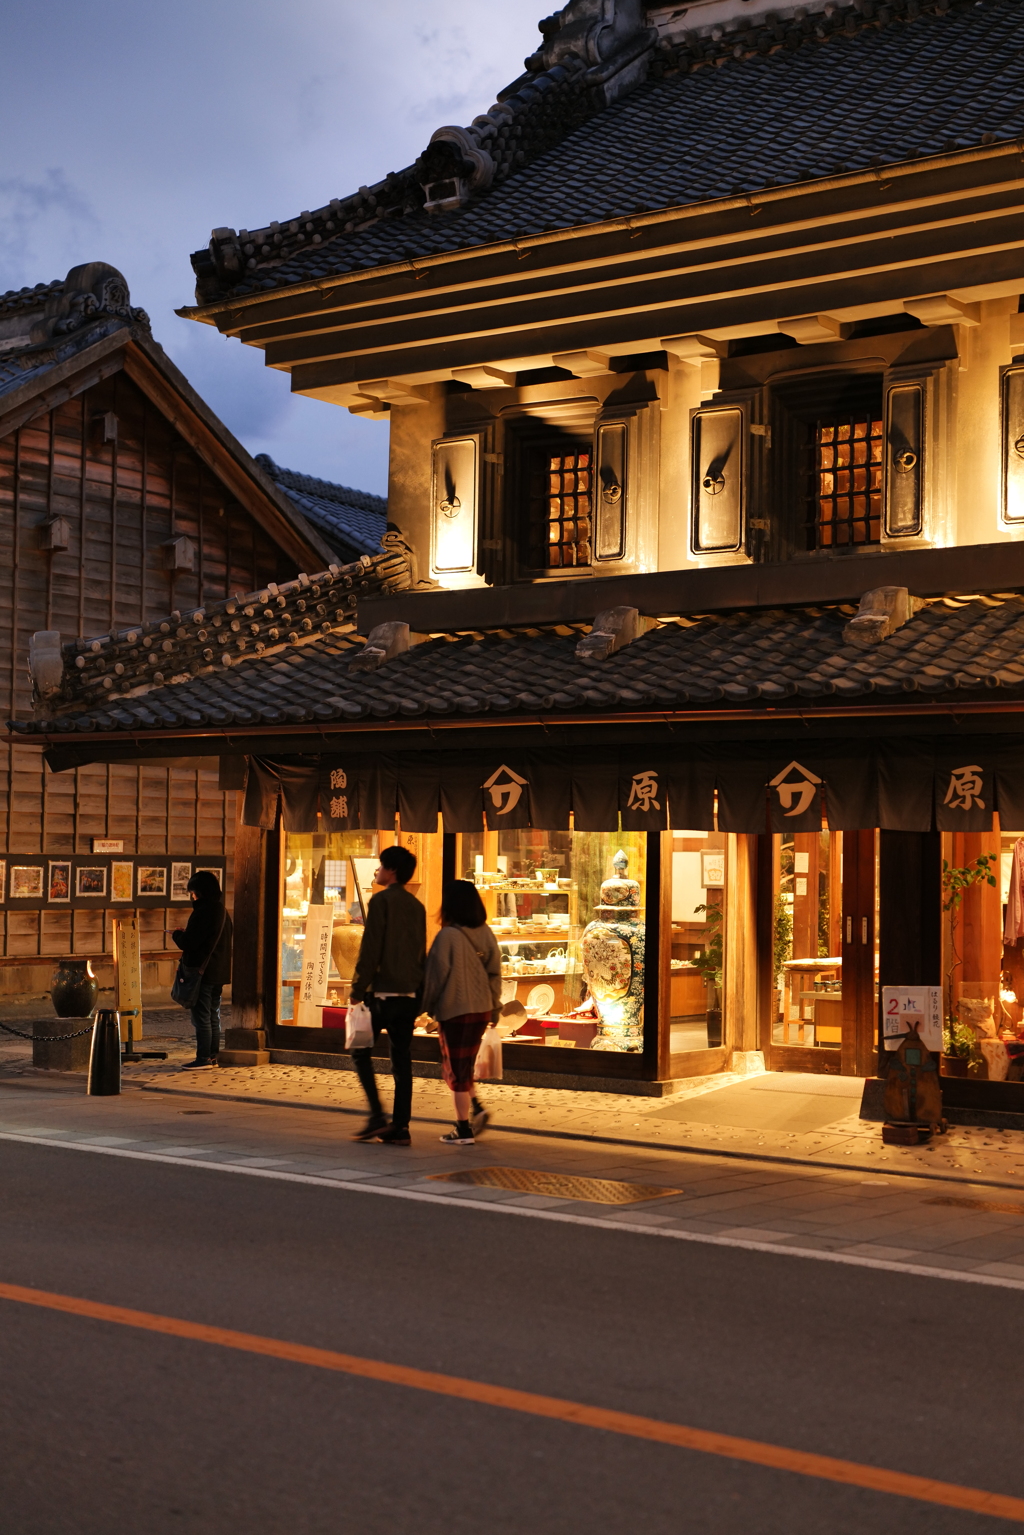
pixel 131 130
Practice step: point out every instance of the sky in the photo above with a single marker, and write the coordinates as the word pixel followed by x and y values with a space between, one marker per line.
pixel 130 130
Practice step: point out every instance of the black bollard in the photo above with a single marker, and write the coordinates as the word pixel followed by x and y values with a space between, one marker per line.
pixel 105 1056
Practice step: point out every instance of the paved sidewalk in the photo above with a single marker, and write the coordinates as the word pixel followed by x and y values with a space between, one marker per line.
pixel 913 1224
pixel 776 1118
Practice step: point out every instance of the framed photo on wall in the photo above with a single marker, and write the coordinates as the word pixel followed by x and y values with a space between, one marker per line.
pixel 26 882
pixel 181 873
pixel 58 886
pixel 152 880
pixel 122 881
pixel 91 881
pixel 219 873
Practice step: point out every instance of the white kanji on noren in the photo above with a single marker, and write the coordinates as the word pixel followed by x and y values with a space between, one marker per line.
pixel 505 791
pixel 642 792
pixel 801 788
pixel 339 778
pixel 339 808
pixel 965 786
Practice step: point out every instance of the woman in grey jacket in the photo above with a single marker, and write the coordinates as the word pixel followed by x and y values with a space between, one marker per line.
pixel 462 990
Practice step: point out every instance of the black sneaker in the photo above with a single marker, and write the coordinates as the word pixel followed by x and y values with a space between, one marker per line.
pixel 462 1135
pixel 198 1065
pixel 372 1128
pixel 395 1135
pixel 480 1120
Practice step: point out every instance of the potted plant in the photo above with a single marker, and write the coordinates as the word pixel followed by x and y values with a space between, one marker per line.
pixel 709 963
pixel 959 1049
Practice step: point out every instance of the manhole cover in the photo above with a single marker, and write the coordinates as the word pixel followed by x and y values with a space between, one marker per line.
pixel 598 1191
pixel 976 1204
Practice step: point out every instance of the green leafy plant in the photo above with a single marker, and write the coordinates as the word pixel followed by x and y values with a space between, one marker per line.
pixel 782 938
pixel 709 960
pixel 960 1039
pixel 956 881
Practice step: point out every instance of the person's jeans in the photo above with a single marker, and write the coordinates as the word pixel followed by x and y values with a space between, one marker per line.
pixel 396 1016
pixel 206 1022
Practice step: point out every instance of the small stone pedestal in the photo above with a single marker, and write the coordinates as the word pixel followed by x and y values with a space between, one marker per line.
pixel 60 1054
pixel 244 1047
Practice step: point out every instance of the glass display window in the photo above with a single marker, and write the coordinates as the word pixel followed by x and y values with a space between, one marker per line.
pixel 983 954
pixel 807 940
pixel 568 911
pixel 698 916
pixel 326 883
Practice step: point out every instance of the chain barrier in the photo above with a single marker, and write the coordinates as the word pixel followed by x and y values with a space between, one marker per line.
pixel 47 1039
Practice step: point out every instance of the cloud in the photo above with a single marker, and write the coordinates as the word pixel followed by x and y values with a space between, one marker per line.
pixel 42 219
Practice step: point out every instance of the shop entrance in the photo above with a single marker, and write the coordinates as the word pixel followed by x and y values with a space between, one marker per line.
pixel 823 961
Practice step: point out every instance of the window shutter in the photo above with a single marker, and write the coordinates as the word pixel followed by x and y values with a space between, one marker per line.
pixel 454 506
pixel 904 468
pixel 1013 445
pixel 610 492
pixel 718 479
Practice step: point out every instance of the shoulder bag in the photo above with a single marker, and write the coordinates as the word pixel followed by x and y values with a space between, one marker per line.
pixel 189 978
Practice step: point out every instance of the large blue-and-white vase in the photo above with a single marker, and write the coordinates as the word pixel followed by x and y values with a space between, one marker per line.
pixel 613 947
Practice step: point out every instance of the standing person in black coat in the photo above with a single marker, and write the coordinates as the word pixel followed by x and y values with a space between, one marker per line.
pixel 206 941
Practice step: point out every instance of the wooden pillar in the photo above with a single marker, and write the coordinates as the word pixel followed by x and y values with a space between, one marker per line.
pixel 245 1042
pixel 979 926
pixel 806 896
pixel 909 910
pixel 858 951
pixel 767 854
pixel 740 979
pixel 662 894
pixel 654 992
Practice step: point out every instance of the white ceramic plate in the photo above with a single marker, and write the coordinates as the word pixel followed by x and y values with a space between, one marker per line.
pixel 540 1000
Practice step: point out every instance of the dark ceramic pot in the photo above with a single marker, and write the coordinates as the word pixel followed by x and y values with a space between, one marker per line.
pixel 714 1022
pixel 74 989
pixel 955 1065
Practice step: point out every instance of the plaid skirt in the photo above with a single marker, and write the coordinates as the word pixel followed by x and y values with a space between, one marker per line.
pixel 460 1041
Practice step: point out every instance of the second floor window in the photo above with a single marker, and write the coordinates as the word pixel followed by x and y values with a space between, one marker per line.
pixel 559 493
pixel 842 477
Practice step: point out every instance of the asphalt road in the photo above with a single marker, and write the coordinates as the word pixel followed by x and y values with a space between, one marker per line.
pixel 104 1428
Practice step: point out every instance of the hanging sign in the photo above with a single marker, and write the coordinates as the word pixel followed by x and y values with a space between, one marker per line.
pixel 128 974
pixel 924 1002
pixel 316 966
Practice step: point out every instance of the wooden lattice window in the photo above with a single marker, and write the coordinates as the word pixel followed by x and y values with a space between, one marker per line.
pixel 560 500
pixel 843 475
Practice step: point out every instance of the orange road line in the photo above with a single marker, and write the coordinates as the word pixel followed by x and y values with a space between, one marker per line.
pixel 803 1463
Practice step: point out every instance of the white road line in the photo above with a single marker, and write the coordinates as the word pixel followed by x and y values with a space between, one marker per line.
pixel 777 1249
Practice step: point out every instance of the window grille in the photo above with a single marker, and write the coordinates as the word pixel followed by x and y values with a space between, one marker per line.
pixel 843 476
pixel 559 491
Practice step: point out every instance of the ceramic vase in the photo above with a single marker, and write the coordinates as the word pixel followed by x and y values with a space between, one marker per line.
pixel 74 988
pixel 613 947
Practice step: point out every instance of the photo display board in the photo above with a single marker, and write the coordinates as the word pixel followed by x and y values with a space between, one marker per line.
pixel 90 881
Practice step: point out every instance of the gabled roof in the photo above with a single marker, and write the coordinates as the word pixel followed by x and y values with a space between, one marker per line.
pixel 952 649
pixel 352 521
pixel 763 103
pixel 59 337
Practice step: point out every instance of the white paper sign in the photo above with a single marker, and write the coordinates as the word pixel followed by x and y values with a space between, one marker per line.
pixel 316 966
pixel 899 1000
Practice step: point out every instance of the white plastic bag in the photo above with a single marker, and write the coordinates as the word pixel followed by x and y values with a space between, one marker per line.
pixel 358 1027
pixel 488 1059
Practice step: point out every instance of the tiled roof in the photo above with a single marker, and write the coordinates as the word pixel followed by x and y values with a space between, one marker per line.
pixel 949 648
pixel 43 326
pixel 352 521
pixel 838 90
pixel 146 661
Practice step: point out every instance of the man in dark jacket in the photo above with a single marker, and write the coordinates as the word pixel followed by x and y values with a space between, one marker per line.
pixel 389 975
pixel 205 942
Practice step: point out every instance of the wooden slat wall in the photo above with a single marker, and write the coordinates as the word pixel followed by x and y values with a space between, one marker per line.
pixel 124 499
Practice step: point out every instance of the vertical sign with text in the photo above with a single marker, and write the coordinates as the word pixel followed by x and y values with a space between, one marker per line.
pixel 316 966
pixel 128 974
